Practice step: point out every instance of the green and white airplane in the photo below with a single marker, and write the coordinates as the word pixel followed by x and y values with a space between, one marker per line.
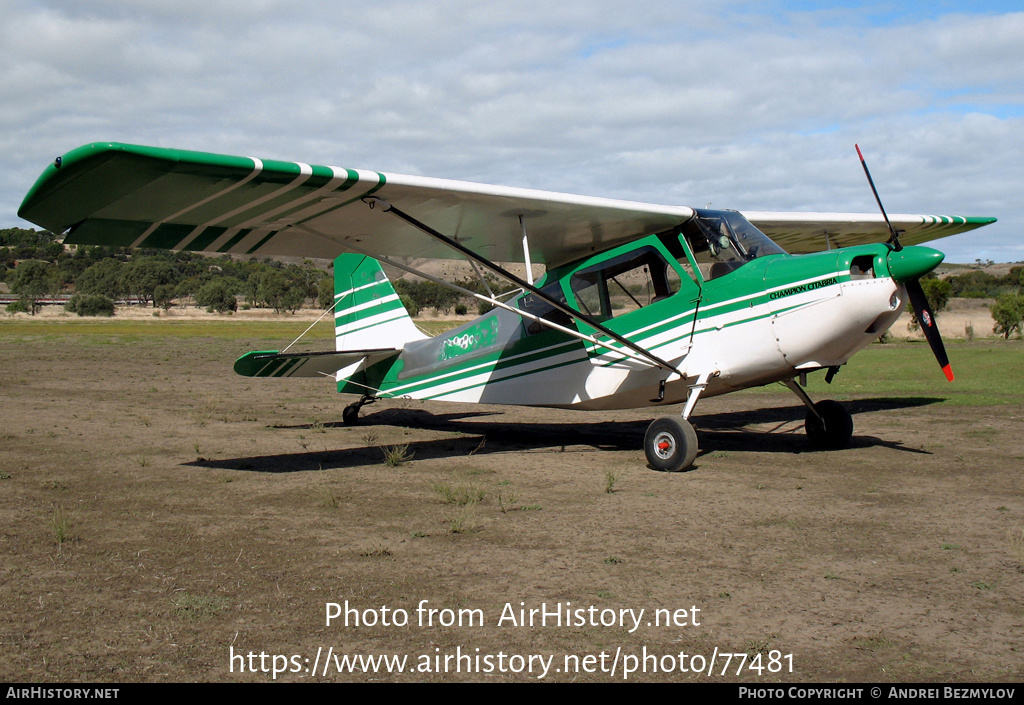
pixel 641 304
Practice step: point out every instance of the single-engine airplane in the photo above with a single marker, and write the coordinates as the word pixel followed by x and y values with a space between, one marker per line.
pixel 641 304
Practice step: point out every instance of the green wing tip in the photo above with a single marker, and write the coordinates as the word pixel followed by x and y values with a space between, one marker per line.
pixel 252 362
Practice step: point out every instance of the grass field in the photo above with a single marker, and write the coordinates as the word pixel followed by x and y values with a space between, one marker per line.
pixel 987 371
pixel 159 513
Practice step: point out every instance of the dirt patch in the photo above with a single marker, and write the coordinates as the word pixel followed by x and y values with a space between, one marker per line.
pixel 159 514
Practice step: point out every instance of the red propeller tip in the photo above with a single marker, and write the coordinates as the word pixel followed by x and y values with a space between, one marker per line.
pixel 948 370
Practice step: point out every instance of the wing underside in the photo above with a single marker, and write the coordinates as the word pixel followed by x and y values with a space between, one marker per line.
pixel 123 195
pixel 800 233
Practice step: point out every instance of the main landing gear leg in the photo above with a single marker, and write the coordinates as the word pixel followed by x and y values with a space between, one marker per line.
pixel 828 424
pixel 350 416
pixel 670 442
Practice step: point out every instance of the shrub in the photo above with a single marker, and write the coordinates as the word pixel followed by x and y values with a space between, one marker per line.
pixel 90 305
pixel 19 306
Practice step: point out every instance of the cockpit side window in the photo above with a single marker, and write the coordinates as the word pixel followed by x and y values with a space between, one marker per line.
pixel 625 283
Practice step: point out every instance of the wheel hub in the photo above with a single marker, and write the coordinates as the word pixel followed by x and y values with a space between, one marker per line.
pixel 665 445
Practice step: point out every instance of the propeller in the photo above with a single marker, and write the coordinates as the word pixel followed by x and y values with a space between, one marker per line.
pixel 907 268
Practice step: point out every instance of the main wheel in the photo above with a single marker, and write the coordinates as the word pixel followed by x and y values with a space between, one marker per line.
pixel 670 444
pixel 833 430
pixel 350 416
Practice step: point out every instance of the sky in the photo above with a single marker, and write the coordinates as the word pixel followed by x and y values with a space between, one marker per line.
pixel 746 105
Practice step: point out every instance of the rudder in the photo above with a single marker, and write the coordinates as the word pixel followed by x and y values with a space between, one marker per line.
pixel 367 311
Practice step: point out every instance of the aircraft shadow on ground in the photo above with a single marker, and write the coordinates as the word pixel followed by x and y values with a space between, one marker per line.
pixel 477 432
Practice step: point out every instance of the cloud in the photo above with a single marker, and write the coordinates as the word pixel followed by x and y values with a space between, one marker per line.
pixel 746 105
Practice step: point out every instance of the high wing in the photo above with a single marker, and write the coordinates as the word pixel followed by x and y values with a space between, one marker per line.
pixel 800 233
pixel 124 195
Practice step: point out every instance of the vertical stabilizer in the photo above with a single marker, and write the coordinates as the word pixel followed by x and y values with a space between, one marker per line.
pixel 368 314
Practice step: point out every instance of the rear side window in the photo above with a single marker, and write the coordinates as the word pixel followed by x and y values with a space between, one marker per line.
pixel 625 283
pixel 542 309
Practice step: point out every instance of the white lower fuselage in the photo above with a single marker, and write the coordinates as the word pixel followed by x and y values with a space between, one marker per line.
pixel 740 346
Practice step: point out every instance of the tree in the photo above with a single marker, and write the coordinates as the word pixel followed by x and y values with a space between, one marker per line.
pixel 1008 313
pixel 163 296
pixel 427 294
pixel 144 274
pixel 325 292
pixel 188 287
pixel 22 237
pixel 105 278
pixel 217 295
pixel 33 280
pixel 273 288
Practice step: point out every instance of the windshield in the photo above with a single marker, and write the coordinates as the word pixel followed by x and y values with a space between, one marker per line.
pixel 724 241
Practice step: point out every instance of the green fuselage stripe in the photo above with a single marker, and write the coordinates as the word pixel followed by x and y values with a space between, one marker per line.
pixel 495 363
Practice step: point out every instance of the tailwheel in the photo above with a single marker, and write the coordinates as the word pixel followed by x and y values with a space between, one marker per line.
pixel 350 416
pixel 831 427
pixel 670 444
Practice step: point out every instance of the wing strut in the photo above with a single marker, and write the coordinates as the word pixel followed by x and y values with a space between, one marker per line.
pixel 386 207
pixel 526 251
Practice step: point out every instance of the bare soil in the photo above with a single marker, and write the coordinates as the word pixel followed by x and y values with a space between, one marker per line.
pixel 159 514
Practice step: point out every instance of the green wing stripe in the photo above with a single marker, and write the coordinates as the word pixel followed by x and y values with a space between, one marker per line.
pixel 318 214
pixel 111 233
pixel 124 195
pixel 204 239
pixel 376 187
pixel 287 366
pixel 233 240
pixel 167 235
pixel 263 241
pixel 95 176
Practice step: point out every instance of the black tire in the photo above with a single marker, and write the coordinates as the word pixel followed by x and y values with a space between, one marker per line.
pixel 350 416
pixel 670 444
pixel 833 430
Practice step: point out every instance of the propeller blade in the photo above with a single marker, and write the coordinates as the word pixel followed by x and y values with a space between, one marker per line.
pixel 893 238
pixel 926 318
pixel 920 260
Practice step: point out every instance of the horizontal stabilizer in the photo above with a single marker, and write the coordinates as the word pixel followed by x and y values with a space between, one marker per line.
pixel 270 363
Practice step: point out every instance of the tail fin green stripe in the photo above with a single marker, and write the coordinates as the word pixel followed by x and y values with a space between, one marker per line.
pixel 367 310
